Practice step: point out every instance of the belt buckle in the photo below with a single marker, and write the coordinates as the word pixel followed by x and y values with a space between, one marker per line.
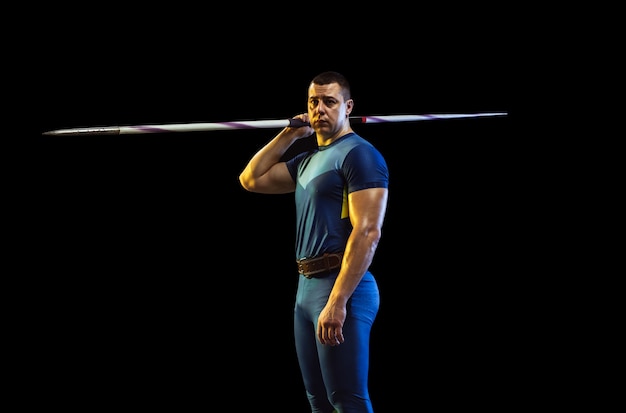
pixel 301 269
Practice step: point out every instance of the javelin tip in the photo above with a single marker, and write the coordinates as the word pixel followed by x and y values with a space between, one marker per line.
pixel 109 130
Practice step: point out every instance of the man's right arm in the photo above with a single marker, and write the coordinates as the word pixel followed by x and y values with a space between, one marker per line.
pixel 264 173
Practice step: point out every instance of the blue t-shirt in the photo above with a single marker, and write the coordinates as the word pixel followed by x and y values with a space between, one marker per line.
pixel 324 177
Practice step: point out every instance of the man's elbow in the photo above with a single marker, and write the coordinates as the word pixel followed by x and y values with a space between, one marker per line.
pixel 372 235
pixel 246 182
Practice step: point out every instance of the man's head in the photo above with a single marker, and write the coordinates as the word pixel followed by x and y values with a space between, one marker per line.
pixel 330 104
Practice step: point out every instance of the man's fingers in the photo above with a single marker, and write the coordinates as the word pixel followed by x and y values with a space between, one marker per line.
pixel 330 336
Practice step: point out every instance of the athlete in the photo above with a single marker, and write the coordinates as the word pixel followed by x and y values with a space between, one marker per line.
pixel 341 191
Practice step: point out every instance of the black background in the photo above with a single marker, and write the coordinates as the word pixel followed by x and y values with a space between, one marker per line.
pixel 166 284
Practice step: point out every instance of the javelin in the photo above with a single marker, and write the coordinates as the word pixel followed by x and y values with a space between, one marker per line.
pixel 249 124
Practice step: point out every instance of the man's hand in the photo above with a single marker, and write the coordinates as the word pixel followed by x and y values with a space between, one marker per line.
pixel 330 325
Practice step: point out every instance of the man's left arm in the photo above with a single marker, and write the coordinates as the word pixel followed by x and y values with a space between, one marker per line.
pixel 367 209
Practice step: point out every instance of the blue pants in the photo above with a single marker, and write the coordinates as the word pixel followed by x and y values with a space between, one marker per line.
pixel 335 377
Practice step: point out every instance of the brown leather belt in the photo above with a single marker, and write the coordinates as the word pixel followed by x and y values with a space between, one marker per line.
pixel 319 266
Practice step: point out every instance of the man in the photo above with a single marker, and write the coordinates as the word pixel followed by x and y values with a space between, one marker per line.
pixel 341 190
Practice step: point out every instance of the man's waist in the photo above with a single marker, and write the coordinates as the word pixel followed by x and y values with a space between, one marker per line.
pixel 320 266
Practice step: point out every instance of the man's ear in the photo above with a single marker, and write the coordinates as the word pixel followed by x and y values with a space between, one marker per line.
pixel 349 106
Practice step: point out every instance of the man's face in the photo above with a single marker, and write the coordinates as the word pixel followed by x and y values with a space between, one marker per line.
pixel 326 108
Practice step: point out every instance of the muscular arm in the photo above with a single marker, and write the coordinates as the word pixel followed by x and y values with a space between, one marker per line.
pixel 264 173
pixel 367 211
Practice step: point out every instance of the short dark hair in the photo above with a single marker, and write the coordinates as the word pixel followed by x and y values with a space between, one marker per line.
pixel 326 78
